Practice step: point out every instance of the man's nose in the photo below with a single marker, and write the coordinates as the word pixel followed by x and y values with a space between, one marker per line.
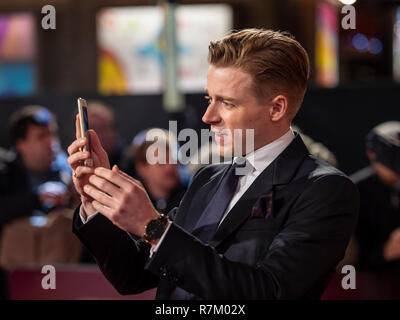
pixel 211 115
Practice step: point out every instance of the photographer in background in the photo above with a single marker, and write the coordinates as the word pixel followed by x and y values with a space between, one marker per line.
pixel 34 181
pixel 25 171
pixel 378 230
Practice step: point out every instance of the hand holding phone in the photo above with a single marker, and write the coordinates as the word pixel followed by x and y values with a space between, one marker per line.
pixel 84 127
pixel 85 155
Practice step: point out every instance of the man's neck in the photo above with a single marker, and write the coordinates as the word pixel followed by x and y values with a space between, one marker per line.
pixel 264 155
pixel 272 137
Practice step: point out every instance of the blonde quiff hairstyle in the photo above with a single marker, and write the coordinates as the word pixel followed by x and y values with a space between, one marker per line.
pixel 277 63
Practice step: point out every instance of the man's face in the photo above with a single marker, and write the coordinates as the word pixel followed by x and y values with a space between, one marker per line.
pixel 160 176
pixel 233 105
pixel 165 175
pixel 36 148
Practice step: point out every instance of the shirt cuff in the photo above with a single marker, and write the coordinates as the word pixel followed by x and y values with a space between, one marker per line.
pixel 153 249
pixel 82 215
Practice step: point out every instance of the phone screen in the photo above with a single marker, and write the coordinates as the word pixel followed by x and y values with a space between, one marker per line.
pixel 85 119
pixel 84 126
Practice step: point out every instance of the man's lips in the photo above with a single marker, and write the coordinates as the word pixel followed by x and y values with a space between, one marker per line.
pixel 220 135
pixel 220 132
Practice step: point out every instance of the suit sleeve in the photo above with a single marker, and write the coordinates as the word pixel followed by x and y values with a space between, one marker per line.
pixel 309 246
pixel 120 255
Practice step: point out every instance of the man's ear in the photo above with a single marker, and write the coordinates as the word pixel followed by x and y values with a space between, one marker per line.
pixel 278 108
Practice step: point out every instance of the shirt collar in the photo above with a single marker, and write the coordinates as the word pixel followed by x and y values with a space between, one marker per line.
pixel 263 156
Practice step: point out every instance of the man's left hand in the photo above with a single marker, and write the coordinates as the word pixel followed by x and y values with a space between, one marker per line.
pixel 122 199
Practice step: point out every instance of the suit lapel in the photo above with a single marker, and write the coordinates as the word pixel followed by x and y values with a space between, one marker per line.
pixel 279 172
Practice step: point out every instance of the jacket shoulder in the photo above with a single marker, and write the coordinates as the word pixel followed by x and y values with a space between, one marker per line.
pixel 326 184
pixel 325 191
pixel 318 178
pixel 321 169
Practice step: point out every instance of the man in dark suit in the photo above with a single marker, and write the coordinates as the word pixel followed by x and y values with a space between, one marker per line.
pixel 276 231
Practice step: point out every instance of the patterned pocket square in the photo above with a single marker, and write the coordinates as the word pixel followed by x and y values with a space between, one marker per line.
pixel 263 207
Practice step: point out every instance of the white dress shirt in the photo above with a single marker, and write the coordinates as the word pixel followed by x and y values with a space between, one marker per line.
pixel 260 159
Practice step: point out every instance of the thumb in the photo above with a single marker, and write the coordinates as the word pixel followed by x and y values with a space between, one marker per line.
pixel 115 168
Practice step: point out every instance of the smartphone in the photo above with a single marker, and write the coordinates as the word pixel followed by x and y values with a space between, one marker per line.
pixel 84 127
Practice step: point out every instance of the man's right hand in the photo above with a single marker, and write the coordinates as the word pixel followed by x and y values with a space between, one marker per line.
pixel 81 172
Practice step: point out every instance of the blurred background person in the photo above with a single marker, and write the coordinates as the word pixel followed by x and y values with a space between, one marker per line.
pixel 378 230
pixel 34 183
pixel 101 120
pixel 25 171
pixel 161 180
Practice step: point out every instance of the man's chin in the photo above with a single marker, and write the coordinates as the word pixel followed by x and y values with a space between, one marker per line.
pixel 226 153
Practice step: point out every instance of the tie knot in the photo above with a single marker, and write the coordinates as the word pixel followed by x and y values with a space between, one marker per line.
pixel 242 166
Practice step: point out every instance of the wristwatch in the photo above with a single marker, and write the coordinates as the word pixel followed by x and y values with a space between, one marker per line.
pixel 155 228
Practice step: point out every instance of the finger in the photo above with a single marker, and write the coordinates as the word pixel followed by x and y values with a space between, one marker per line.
pixel 78 127
pixel 104 210
pixel 76 145
pixel 98 195
pixel 75 159
pixel 105 186
pixel 127 177
pixel 113 177
pixel 83 170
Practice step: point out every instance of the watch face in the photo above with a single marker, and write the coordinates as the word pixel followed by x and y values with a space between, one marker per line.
pixel 155 229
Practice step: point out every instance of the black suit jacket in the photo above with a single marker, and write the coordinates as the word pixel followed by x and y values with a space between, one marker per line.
pixel 282 239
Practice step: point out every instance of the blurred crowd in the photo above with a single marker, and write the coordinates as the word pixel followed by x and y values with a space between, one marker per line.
pixel 38 198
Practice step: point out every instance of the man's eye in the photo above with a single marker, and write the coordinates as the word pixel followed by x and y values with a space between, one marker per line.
pixel 227 104
pixel 208 99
